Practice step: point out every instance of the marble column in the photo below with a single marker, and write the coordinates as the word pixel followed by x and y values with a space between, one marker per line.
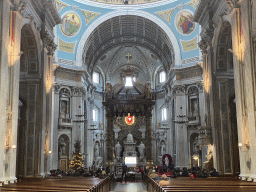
pixel 148 136
pixel 109 136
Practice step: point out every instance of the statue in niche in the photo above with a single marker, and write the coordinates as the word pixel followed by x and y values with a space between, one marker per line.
pixel 141 148
pixel 63 109
pixel 118 149
pixel 162 147
pixel 62 147
pixel 97 150
pixel 166 161
pixel 194 107
pixel 108 89
pixel 148 90
pixel 196 146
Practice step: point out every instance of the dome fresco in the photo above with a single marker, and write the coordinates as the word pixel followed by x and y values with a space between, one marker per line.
pixel 90 28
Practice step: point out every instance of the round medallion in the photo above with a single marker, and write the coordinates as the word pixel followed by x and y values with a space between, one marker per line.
pixel 71 24
pixel 184 23
pixel 129 120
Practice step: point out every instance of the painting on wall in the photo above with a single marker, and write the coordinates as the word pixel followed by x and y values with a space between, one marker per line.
pixel 89 16
pixel 66 47
pixel 60 5
pixel 71 24
pixel 194 3
pixel 166 15
pixel 184 23
pixel 189 45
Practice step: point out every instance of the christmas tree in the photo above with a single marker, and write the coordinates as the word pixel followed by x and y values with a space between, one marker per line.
pixel 76 162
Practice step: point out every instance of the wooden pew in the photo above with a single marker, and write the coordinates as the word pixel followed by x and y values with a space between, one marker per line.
pixel 54 184
pixel 201 184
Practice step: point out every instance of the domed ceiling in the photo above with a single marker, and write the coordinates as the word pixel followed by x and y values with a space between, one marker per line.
pixel 95 32
pixel 142 60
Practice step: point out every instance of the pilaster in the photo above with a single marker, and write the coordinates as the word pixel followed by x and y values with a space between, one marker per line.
pixel 109 137
pixel 148 136
pixel 4 42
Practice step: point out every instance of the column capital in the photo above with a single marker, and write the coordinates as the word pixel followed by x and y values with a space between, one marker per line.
pixel 203 46
pixel 19 6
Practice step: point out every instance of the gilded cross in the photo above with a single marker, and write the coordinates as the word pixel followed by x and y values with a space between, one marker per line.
pixel 128 57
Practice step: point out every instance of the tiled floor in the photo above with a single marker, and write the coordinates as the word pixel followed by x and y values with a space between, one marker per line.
pixel 130 187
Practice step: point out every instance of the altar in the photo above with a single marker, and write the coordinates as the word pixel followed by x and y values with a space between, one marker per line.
pixel 130 147
pixel 131 154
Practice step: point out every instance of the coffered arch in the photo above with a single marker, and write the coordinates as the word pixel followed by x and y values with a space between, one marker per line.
pixel 128 28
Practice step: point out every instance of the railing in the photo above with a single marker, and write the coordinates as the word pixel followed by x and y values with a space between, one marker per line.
pixel 104 186
pixel 151 185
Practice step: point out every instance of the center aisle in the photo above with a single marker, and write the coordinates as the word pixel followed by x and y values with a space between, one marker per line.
pixel 130 187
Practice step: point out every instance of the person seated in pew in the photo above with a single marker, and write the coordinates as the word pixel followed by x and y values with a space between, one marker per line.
pixel 173 175
pixel 165 181
pixel 203 174
pixel 214 173
pixel 184 172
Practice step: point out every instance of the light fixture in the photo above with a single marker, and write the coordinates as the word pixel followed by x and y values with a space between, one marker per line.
pixel 240 144
pixel 14 147
pixel 50 152
pixel 195 157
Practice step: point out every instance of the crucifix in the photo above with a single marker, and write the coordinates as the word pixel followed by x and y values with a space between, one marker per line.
pixel 128 57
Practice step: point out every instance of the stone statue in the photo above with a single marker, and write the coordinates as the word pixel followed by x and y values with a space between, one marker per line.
pixel 97 150
pixel 118 149
pixel 141 150
pixel 196 146
pixel 166 161
pixel 63 107
pixel 98 162
pixel 109 89
pixel 62 147
pixel 162 149
pixel 148 90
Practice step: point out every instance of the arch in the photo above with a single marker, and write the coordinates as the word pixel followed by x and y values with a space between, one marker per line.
pixel 192 90
pixel 160 67
pixel 30 63
pixel 39 43
pixel 100 20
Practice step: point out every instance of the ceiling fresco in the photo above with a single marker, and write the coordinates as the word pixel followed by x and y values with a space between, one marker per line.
pixel 92 30
pixel 121 2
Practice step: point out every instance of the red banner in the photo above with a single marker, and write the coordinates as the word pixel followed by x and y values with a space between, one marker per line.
pixel 12 26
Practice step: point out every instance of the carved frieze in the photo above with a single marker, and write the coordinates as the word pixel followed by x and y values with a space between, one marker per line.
pixel 232 4
pixel 78 90
pixel 179 89
pixel 19 6
pixel 68 76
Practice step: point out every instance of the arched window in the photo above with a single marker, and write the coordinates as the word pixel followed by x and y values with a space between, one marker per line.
pixel 162 77
pixel 95 115
pixel 96 77
pixel 164 114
